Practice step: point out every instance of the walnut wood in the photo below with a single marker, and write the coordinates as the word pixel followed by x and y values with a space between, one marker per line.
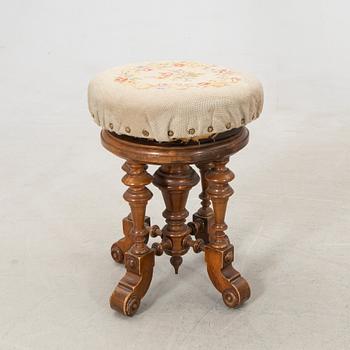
pixel 219 253
pixel 147 152
pixel 175 182
pixel 139 259
pixel 205 215
pixel 175 178
pixel 120 247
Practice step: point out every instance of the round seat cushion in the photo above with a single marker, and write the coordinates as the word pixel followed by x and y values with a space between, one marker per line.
pixel 170 100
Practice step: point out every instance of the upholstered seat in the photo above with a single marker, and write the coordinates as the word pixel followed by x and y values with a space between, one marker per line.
pixel 170 100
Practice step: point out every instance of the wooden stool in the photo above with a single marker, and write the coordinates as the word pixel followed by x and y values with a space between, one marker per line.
pixel 175 177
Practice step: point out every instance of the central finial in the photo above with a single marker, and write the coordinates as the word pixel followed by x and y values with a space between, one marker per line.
pixel 176 261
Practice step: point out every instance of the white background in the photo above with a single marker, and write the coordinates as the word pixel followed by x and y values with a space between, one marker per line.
pixel 61 196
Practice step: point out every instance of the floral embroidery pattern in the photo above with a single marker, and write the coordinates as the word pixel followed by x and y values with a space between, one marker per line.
pixel 179 75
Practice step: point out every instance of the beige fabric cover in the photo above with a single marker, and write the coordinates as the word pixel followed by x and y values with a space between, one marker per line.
pixel 173 100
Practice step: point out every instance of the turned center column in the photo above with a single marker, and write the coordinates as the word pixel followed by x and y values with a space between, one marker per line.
pixel 175 182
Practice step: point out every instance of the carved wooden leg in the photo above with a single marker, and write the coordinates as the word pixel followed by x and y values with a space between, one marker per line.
pixel 205 215
pixel 139 259
pixel 119 248
pixel 175 182
pixel 219 253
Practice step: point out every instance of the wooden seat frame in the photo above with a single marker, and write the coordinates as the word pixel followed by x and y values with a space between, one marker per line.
pixel 175 177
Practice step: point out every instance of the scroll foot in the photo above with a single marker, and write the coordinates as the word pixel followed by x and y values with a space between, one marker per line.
pixel 234 288
pixel 133 286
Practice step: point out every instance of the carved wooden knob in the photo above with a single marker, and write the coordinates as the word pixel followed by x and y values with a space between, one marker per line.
pixel 117 253
pixel 155 231
pixel 158 248
pixel 197 245
pixel 194 227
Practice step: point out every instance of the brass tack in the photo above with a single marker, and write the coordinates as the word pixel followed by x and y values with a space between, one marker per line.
pixel 191 131
pixel 145 132
pixel 228 125
pixel 111 126
pixel 242 121
pixel 127 129
pixel 170 133
pixel 210 128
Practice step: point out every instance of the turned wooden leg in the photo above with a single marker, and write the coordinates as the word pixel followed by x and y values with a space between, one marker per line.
pixel 205 215
pixel 119 248
pixel 175 182
pixel 139 259
pixel 219 253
